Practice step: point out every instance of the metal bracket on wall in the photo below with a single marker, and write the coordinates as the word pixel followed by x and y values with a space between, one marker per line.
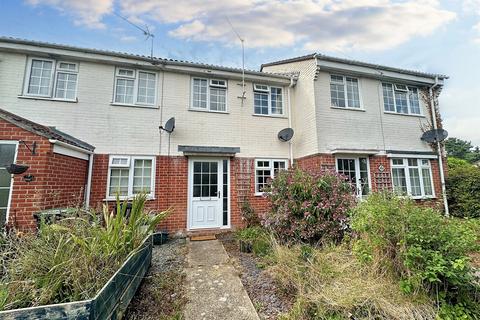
pixel 33 149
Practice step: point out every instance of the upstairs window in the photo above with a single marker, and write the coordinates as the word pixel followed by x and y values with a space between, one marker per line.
pixel 265 171
pixel 135 87
pixel 131 175
pixel 344 92
pixel 209 94
pixel 412 177
pixel 268 100
pixel 400 98
pixel 48 78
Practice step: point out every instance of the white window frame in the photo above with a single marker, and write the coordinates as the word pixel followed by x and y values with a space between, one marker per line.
pixel 270 167
pixel 130 166
pixel 419 167
pixel 135 78
pixel 53 79
pixel 357 173
pixel 397 87
pixel 12 181
pixel 210 85
pixel 345 93
pixel 268 90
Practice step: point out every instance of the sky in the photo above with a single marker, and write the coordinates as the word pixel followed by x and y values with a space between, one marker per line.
pixel 426 35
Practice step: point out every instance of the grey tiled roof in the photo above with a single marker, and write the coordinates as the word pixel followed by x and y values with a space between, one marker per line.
pixel 355 63
pixel 44 131
pixel 155 60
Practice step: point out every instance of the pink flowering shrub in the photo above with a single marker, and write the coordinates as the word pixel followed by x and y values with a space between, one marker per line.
pixel 309 206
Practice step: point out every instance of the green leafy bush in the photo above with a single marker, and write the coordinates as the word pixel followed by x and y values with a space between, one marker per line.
pixel 249 216
pixel 309 206
pixel 73 258
pixel 463 188
pixel 418 245
pixel 257 238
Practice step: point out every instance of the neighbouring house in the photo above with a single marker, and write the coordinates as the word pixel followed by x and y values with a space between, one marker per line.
pixel 360 119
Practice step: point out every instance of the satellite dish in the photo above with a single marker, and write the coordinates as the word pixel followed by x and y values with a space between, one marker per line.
pixel 16 168
pixel 285 134
pixel 169 125
pixel 434 136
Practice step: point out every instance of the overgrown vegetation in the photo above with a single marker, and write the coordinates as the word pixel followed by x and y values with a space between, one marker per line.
pixel 309 206
pixel 463 188
pixel 72 259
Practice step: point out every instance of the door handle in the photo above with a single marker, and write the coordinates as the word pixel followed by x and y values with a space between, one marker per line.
pixel 219 194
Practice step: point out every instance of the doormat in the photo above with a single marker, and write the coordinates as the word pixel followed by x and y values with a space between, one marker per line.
pixel 203 238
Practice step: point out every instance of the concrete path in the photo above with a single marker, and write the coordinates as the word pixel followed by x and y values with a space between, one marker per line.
pixel 214 289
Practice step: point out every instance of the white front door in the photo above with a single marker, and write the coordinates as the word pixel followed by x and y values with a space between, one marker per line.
pixel 205 193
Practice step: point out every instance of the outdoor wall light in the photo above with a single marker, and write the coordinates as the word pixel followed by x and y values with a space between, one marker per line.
pixel 28 178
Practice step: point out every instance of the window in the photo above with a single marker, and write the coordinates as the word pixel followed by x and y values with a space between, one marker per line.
pixel 412 177
pixel 135 87
pixel 130 175
pixel 209 95
pixel 51 79
pixel 265 171
pixel 344 92
pixel 267 100
pixel 401 99
pixel 357 172
pixel 7 156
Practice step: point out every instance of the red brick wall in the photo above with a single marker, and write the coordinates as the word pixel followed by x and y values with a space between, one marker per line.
pixel 59 181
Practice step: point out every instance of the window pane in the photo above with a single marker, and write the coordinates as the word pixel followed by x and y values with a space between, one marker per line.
pixel 118 182
pixel 427 182
pixel 413 99
pixel 146 88
pixel 401 101
pixel 337 91
pixel 142 175
pixel 399 181
pixel 261 103
pixel 218 99
pixel 388 97
pixel 415 182
pixel 278 166
pixel 200 93
pixel 364 176
pixel 40 77
pixel 276 100
pixel 353 96
pixel 262 180
pixel 66 85
pixel 124 91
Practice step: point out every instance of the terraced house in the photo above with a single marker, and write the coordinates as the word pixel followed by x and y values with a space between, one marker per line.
pixel 91 124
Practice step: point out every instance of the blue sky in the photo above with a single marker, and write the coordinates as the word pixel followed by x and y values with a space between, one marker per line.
pixel 427 35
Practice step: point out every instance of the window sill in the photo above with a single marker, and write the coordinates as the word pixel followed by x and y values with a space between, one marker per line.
pixel 133 105
pixel 346 108
pixel 424 198
pixel 270 116
pixel 208 111
pixel 47 99
pixel 405 114
pixel 149 198
pixel 261 194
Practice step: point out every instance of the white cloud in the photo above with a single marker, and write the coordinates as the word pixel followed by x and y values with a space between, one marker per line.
pixel 84 12
pixel 314 25
pixel 473 7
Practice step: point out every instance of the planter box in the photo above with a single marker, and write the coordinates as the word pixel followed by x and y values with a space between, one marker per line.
pixel 109 303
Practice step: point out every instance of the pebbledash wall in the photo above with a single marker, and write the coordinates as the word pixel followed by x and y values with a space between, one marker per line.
pixel 171 189
pixel 58 180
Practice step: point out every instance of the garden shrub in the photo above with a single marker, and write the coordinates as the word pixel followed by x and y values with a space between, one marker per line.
pixel 73 258
pixel 425 250
pixel 249 216
pixel 463 188
pixel 309 206
pixel 257 238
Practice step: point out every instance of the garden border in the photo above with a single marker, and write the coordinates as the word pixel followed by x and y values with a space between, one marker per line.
pixel 109 303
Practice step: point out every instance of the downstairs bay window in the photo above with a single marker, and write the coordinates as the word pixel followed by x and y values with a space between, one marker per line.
pixel 265 171
pixel 412 177
pixel 131 175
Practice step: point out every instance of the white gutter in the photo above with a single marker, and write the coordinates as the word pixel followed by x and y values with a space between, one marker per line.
pixel 439 148
pixel 90 166
pixel 290 145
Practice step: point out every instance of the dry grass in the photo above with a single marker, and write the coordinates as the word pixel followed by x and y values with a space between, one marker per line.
pixel 330 283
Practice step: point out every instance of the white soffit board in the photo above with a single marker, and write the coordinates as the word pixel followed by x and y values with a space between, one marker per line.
pixel 69 152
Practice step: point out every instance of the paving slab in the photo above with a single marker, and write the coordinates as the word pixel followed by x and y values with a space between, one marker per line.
pixel 214 289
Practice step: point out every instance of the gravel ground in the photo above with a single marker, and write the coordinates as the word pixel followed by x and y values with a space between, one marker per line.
pixel 161 294
pixel 261 287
